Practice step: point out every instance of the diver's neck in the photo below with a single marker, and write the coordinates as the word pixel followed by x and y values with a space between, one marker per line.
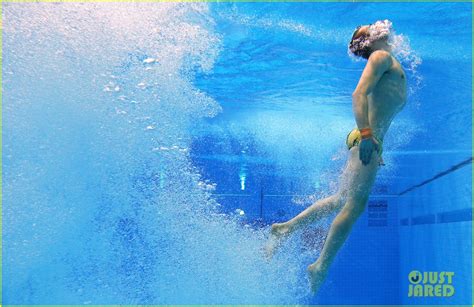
pixel 385 48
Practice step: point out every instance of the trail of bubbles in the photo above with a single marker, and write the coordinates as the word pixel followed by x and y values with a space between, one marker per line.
pixel 101 202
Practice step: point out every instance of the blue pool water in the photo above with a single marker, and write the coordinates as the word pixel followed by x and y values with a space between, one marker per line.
pixel 147 148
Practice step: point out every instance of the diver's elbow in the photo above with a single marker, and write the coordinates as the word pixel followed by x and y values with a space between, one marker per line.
pixel 359 98
pixel 358 94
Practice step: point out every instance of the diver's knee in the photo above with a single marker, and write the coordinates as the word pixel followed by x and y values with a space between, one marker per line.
pixel 351 214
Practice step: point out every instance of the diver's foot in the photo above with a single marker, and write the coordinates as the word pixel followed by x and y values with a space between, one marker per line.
pixel 278 232
pixel 317 275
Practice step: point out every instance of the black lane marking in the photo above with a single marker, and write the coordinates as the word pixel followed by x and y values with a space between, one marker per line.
pixel 439 175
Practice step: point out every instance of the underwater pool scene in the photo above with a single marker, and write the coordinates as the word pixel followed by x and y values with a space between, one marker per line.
pixel 149 147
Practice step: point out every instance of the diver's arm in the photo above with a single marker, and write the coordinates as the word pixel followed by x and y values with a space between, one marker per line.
pixel 360 107
pixel 378 63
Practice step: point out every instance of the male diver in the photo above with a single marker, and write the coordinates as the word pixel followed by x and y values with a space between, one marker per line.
pixel 378 97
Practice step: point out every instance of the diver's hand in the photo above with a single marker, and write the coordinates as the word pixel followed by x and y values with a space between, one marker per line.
pixel 366 147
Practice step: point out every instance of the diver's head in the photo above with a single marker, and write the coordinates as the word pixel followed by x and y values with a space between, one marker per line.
pixel 366 39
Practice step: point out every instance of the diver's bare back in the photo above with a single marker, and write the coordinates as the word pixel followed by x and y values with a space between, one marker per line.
pixel 387 98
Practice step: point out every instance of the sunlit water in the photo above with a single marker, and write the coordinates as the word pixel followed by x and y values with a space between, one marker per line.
pixel 103 105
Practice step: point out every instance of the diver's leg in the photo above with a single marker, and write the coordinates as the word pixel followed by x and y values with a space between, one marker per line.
pixel 321 208
pixel 316 211
pixel 361 181
pixel 338 233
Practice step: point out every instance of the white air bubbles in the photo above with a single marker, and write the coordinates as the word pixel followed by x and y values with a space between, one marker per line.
pixel 295 27
pixel 270 23
pixel 401 48
pixel 137 163
pixel 111 87
pixel 207 186
pixel 171 148
pixel 161 148
pixel 410 60
pixel 149 60
pixel 380 29
pixel 142 85
pixel 239 212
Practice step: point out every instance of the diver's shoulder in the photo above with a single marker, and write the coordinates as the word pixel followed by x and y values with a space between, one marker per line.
pixel 380 57
pixel 380 54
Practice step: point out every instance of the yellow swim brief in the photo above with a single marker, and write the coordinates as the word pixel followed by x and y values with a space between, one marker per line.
pixel 354 137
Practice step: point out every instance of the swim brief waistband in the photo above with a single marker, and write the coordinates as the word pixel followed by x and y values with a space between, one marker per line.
pixel 354 137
